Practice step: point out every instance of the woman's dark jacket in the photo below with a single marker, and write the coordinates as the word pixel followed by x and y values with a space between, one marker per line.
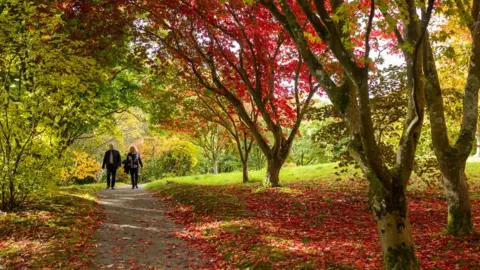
pixel 132 159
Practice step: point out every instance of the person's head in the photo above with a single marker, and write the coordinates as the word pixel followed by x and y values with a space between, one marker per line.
pixel 110 146
pixel 133 149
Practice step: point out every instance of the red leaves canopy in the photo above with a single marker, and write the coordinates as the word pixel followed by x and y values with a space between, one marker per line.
pixel 231 49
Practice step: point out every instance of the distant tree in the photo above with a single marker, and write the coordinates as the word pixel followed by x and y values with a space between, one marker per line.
pixel 212 140
pixel 83 169
pixel 304 150
pixel 197 112
pixel 179 158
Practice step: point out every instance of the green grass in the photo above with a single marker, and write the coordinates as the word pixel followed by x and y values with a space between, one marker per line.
pixel 325 171
pixel 83 190
pixel 473 170
pixel 287 175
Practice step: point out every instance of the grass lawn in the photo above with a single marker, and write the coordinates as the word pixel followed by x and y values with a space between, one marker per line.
pixel 287 175
pixel 317 220
pixel 51 232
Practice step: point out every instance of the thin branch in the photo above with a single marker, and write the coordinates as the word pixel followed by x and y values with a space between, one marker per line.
pixel 396 31
pixel 416 121
pixel 367 35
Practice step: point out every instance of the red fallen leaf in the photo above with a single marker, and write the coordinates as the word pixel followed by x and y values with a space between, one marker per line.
pixel 314 226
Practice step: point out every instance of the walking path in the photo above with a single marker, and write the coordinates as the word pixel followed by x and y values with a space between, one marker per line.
pixel 137 235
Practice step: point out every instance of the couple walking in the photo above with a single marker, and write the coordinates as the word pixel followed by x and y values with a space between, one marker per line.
pixel 112 161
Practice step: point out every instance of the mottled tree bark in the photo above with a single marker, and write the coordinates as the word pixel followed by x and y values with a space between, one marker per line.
pixel 4 199
pixel 477 153
pixel 452 158
pixel 272 178
pixel 215 165
pixel 396 240
pixel 456 190
pixel 391 214
pixel 352 100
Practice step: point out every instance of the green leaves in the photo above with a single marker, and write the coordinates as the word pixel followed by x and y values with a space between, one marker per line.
pixel 409 47
pixel 50 93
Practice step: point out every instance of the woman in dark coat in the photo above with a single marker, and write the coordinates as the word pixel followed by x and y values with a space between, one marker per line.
pixel 134 162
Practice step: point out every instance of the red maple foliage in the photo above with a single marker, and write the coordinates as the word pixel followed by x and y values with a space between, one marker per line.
pixel 240 53
pixel 313 226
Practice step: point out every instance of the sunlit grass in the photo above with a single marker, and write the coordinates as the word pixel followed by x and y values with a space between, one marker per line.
pixel 287 175
pixel 87 192
pixel 473 170
pixel 327 172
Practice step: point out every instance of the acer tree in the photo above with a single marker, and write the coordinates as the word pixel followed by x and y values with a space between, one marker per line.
pixel 211 109
pixel 187 107
pixel 241 54
pixel 336 24
pixel 452 157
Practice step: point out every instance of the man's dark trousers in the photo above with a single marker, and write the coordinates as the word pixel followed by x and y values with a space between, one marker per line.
pixel 111 170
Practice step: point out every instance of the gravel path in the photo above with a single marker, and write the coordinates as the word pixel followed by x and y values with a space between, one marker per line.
pixel 137 235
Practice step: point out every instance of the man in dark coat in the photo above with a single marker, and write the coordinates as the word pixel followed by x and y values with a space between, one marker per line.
pixel 111 160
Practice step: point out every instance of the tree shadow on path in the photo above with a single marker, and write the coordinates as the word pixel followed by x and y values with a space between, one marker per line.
pixel 137 235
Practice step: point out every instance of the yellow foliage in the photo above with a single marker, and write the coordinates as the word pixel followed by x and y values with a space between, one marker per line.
pixel 83 166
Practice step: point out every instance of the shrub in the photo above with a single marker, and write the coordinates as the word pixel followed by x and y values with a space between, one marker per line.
pixel 178 159
pixel 84 169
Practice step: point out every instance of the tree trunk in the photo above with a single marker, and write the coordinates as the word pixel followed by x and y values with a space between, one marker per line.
pixel 396 241
pixel 245 172
pixel 477 154
pixel 4 199
pixel 456 190
pixel 394 229
pixel 12 195
pixel 272 179
pixel 452 159
pixel 215 166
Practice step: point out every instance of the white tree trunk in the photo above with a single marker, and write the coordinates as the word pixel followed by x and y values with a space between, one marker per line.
pixel 215 166
pixel 477 154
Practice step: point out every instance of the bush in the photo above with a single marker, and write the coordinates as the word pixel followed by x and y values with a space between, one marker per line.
pixel 153 169
pixel 86 180
pixel 83 169
pixel 229 163
pixel 177 160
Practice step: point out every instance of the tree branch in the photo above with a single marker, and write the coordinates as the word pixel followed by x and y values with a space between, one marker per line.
pixel 367 35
